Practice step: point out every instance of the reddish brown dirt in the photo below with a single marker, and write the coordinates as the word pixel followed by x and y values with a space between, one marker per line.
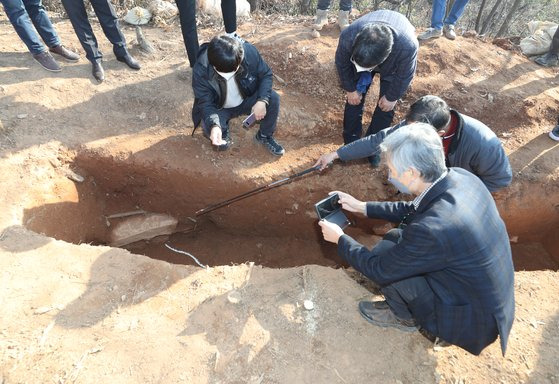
pixel 95 314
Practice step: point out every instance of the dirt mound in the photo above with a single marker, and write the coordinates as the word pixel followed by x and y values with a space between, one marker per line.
pixel 83 313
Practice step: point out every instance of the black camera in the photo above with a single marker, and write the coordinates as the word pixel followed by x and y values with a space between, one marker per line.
pixel 329 209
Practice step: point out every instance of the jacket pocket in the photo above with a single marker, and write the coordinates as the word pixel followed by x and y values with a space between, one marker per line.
pixel 454 322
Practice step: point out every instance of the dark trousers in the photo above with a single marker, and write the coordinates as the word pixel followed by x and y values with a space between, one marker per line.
pixel 403 294
pixel 29 17
pixel 267 124
pixel 555 43
pixel 353 116
pixel 187 15
pixel 109 23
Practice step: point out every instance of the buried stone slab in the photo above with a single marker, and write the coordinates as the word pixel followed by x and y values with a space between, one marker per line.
pixel 143 227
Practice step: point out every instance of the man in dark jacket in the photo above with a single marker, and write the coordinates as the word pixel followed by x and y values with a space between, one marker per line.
pixel 467 142
pixel 448 267
pixel 380 42
pixel 230 79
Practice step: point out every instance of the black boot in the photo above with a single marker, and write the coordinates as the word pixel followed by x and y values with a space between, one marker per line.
pixel 97 71
pixel 548 60
pixel 130 61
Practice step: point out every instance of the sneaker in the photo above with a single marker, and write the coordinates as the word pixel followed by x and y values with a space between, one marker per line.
pixel 47 61
pixel 548 60
pixel 65 53
pixel 554 134
pixel 448 31
pixel 430 33
pixel 385 317
pixel 270 143
pixel 321 19
pixel 343 20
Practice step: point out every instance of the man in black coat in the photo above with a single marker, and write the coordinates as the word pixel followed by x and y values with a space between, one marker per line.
pixel 380 42
pixel 230 79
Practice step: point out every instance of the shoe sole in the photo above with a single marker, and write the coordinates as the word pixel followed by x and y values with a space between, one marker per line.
pixel 384 325
pixel 48 69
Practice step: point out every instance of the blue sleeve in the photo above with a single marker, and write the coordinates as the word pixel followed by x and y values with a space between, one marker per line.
pixel 366 146
pixel 491 165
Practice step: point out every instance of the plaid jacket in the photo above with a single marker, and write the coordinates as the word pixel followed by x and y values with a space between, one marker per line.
pixel 458 242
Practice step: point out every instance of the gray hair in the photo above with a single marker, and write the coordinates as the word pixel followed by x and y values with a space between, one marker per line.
pixel 416 146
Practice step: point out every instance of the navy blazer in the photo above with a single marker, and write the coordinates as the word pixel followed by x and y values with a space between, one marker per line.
pixel 458 242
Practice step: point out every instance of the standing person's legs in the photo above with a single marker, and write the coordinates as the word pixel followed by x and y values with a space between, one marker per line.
pixel 187 15
pixel 42 23
pixel 78 17
pixel 353 116
pixel 554 50
pixel 455 12
pixel 18 16
pixel 109 23
pixel 380 118
pixel 229 13
pixel 437 17
pixel 323 5
pixel 345 5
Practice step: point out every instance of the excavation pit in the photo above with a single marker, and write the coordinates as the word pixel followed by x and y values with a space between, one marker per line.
pixel 276 228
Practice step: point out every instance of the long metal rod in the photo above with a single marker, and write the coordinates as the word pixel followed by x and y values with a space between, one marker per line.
pixel 275 184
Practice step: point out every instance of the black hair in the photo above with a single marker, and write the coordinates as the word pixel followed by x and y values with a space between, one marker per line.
pixel 225 53
pixel 431 110
pixel 372 45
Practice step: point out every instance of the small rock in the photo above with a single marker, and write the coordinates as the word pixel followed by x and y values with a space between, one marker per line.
pixel 315 34
pixel 22 116
pixel 234 297
pixel 308 304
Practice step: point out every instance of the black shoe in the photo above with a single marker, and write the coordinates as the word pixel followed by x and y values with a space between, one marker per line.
pixel 130 61
pixel 47 61
pixel 385 317
pixel 548 60
pixel 65 53
pixel 270 143
pixel 97 71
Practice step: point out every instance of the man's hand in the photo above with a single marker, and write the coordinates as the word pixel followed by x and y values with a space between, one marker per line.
pixel 350 203
pixel 353 98
pixel 215 136
pixel 385 105
pixel 330 231
pixel 259 110
pixel 326 159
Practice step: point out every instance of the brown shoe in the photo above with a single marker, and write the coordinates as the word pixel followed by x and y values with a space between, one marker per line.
pixel 47 61
pixel 385 317
pixel 65 53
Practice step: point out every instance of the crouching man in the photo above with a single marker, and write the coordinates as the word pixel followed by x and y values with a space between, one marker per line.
pixel 447 268
pixel 230 79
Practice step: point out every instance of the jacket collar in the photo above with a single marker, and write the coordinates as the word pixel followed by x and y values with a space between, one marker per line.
pixel 458 134
pixel 437 189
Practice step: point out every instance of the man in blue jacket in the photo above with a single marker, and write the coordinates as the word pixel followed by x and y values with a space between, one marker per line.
pixel 467 142
pixel 448 267
pixel 380 42
pixel 230 79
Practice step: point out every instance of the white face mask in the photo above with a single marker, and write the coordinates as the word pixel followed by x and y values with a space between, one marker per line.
pixel 227 75
pixel 359 68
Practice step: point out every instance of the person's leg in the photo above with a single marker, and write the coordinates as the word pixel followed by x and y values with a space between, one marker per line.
pixel 109 23
pixel 229 12
pixel 401 294
pixel 551 58
pixel 187 16
pixel 323 5
pixel 353 116
pixel 42 23
pixel 554 50
pixel 439 10
pixel 18 16
pixel 455 12
pixel 78 17
pixel 345 5
pixel 381 119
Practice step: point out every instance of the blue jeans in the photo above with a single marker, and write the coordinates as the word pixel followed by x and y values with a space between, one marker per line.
pixel 109 23
pixel 24 14
pixel 439 8
pixel 353 115
pixel 267 124
pixel 323 5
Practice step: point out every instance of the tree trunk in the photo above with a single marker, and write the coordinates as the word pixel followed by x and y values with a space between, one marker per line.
pixel 489 18
pixel 505 25
pixel 478 18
